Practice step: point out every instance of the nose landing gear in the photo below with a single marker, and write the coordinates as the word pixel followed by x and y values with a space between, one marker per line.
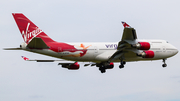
pixel 164 61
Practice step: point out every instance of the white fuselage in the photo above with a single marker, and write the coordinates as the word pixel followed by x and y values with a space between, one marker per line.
pixel 102 51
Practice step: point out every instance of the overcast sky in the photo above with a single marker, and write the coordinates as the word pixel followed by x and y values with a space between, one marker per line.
pixel 89 21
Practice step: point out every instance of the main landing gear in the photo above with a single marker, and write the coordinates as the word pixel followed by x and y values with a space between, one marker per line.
pixel 164 61
pixel 102 69
pixel 122 64
pixel 104 66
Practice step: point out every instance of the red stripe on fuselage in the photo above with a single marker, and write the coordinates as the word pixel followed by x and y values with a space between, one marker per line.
pixel 61 47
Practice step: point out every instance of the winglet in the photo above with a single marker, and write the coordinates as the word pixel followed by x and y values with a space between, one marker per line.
pixel 125 25
pixel 25 58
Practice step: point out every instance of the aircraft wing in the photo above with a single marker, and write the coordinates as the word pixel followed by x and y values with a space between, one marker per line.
pixel 129 34
pixel 125 45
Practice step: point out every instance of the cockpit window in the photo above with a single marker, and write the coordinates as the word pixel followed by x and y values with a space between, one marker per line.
pixel 167 41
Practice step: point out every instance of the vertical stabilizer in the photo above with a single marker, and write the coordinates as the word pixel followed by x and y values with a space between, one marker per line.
pixel 28 29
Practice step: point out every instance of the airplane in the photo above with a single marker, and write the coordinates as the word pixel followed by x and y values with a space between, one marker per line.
pixel 100 54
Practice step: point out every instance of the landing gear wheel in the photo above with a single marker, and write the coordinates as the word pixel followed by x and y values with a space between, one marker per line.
pixel 102 69
pixel 121 66
pixel 124 62
pixel 164 65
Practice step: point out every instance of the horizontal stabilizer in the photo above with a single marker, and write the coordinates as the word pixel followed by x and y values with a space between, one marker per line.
pixel 12 48
pixel 37 43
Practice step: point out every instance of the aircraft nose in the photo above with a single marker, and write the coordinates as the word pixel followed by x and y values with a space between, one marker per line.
pixel 176 51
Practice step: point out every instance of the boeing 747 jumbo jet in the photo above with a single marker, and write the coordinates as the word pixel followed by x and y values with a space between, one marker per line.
pixel 101 54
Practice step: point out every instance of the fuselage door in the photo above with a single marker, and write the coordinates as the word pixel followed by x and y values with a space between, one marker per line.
pixel 95 49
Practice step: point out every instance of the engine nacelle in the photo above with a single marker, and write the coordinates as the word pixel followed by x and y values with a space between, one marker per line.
pixel 70 66
pixel 74 66
pixel 147 54
pixel 23 45
pixel 110 66
pixel 142 45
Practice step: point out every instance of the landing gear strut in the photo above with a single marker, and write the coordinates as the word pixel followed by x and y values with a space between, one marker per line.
pixel 164 61
pixel 122 64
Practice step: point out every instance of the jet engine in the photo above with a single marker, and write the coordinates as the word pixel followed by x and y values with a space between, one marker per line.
pixel 74 66
pixel 142 45
pixel 147 54
pixel 110 66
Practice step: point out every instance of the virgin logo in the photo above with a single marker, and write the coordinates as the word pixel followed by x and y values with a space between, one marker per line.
pixel 28 35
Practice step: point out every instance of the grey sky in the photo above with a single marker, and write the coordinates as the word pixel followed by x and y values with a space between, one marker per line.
pixel 89 21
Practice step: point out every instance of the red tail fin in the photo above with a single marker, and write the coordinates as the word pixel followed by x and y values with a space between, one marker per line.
pixel 28 29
